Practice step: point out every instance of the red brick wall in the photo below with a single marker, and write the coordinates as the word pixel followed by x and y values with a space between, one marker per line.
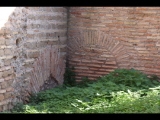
pixel 104 38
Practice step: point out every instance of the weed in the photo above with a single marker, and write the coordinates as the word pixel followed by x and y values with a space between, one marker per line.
pixel 121 91
pixel 69 77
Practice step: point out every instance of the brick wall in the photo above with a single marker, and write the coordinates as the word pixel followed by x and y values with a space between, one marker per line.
pixel 104 38
pixel 32 49
pixel 33 45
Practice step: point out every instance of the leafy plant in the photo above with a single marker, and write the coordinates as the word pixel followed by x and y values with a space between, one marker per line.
pixel 70 80
pixel 121 91
pixel 69 77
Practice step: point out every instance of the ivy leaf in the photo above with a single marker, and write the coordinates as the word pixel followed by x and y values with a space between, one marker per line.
pixel 138 83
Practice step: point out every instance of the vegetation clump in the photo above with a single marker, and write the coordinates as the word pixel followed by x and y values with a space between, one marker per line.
pixel 121 91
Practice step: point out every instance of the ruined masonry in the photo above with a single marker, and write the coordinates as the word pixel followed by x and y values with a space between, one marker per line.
pixel 36 44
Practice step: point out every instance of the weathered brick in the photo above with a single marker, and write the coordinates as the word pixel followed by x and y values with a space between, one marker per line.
pixel 30 45
pixel 2 41
pixel 41 44
pixel 7 51
pixel 10 77
pixel 4 85
pixel 33 54
pixel 85 68
pixel 94 68
pixel 1 97
pixel 1 80
pixel 7 73
pixel 1 73
pixel 9 89
pixel 88 71
pixel 1 52
pixel 111 63
pixel 96 62
pixel 8 42
pixel 93 65
pixel 2 91
pixel 7 62
pixel 7 95
pixel 107 66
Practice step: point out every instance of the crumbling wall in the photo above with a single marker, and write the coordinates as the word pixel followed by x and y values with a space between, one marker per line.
pixel 101 39
pixel 33 39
